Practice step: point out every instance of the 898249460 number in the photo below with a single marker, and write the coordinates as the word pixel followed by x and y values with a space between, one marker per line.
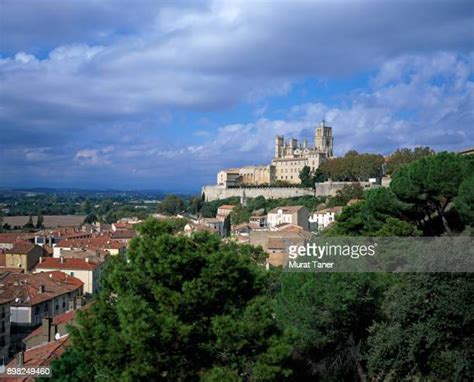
pixel 28 371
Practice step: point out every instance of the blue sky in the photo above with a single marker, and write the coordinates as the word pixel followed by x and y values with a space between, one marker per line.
pixel 161 95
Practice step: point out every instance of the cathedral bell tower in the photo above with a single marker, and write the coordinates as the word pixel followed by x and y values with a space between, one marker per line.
pixel 279 146
pixel 323 139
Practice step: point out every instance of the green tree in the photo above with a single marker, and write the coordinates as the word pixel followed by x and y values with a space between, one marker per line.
pixel 195 205
pixel 90 219
pixel 29 225
pixel 240 214
pixel 40 221
pixel 404 156
pixel 319 176
pixel 397 227
pixel 86 207
pixel 306 178
pixel 171 205
pixel 369 216
pixel 329 316
pixel 427 332
pixel 179 308
pixel 465 200
pixel 227 226
pixel 353 167
pixel 348 192
pixel 432 183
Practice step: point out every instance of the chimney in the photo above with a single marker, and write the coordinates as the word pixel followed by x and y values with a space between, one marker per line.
pixel 46 328
pixel 19 358
pixel 61 258
pixel 41 259
pixel 41 288
pixel 87 260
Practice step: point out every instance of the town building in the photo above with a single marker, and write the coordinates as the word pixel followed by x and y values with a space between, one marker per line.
pixel 215 224
pixel 224 211
pixel 259 221
pixel 324 218
pixel 35 296
pixel 23 255
pixel 298 215
pixel 192 227
pixel 51 328
pixel 276 243
pixel 291 157
pixel 86 270
pixel 96 243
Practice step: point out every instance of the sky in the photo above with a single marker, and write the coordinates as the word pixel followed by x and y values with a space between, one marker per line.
pixel 163 94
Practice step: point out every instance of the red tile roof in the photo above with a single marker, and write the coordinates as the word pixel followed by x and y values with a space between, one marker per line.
pixel 63 278
pixel 25 289
pixel 13 237
pixel 286 209
pixel 41 355
pixel 21 247
pixel 123 234
pixel 98 242
pixel 67 263
pixel 227 207
pixel 59 319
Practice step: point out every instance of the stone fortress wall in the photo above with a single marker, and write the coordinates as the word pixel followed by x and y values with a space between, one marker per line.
pixel 328 188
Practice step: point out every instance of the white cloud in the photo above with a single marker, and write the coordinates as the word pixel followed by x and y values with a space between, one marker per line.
pixel 102 76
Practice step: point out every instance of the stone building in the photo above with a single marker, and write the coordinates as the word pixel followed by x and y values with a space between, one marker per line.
pixel 248 175
pixel 23 255
pixel 298 215
pixel 289 159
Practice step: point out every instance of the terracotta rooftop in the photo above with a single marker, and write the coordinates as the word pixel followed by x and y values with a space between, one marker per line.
pixel 21 247
pixel 227 207
pixel 194 227
pixel 11 238
pixel 288 227
pixel 31 289
pixel 59 319
pixel 41 355
pixel 98 242
pixel 67 263
pixel 123 234
pixel 286 209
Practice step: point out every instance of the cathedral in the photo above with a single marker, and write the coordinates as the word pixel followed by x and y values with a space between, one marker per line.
pixel 289 160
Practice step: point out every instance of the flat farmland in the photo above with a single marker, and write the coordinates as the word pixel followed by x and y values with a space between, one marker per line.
pixel 50 221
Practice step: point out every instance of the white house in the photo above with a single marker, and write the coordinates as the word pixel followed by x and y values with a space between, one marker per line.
pixel 324 218
pixel 298 215
pixel 214 223
pixel 86 270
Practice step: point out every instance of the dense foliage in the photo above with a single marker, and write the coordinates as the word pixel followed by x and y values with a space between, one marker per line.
pixel 427 329
pixel 353 167
pixel 180 308
pixel 404 156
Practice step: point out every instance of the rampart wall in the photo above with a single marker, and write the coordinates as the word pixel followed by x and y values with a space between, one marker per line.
pixel 328 188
